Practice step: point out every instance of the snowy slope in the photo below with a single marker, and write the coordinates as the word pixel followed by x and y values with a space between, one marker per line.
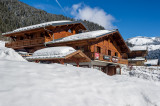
pixel 31 84
pixel 151 73
pixel 140 40
pixel 2 44
pixel 152 43
pixel 10 54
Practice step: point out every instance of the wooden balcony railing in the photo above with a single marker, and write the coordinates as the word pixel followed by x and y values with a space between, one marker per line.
pixel 25 43
pixel 104 57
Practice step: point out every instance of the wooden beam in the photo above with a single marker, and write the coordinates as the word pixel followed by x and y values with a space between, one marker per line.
pixel 61 61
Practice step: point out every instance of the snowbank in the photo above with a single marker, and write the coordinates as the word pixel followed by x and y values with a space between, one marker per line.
pixel 53 52
pixel 151 73
pixel 151 62
pixel 31 84
pixel 10 54
pixel 85 35
pixel 2 44
pixel 137 59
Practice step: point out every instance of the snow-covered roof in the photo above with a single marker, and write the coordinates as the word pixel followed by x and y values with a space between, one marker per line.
pixel 82 36
pixel 138 48
pixel 52 23
pixel 137 59
pixel 52 52
pixel 152 62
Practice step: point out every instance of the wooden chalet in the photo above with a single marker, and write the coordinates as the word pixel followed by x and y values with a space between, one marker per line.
pixel 105 48
pixel 137 56
pixel 33 37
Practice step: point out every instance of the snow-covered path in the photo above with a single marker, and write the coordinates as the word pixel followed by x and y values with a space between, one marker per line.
pixel 31 84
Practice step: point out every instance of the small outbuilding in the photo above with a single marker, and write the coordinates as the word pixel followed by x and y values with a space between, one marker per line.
pixel 137 56
pixel 62 54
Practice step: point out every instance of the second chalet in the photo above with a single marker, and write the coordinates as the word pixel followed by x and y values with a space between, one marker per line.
pixel 102 49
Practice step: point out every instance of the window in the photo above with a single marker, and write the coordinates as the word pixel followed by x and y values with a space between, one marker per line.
pixel 21 38
pixel 77 48
pixel 98 49
pixel 109 52
pixel 111 41
pixel 80 48
pixel 116 54
pixel 42 34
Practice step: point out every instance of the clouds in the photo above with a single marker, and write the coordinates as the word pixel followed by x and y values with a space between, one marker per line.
pixel 96 15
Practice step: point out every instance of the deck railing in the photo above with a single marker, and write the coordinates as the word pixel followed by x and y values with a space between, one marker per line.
pixel 104 57
pixel 23 43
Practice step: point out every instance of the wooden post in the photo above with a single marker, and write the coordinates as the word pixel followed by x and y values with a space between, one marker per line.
pixel 76 61
pixel 77 64
pixel 61 61
pixel 37 61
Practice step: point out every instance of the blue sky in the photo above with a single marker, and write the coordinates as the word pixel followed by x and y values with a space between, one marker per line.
pixel 131 17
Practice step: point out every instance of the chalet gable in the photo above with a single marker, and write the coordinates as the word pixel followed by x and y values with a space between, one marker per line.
pixel 56 25
pixel 93 37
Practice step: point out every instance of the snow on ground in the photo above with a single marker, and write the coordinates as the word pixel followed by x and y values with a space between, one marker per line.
pixel 10 54
pixel 2 44
pixel 53 52
pixel 85 35
pixel 31 84
pixel 151 73
pixel 151 62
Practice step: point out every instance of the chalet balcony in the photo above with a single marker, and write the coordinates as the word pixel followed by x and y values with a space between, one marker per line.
pixel 104 57
pixel 25 43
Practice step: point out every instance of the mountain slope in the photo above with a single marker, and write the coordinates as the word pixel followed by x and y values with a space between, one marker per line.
pixel 152 43
pixel 15 14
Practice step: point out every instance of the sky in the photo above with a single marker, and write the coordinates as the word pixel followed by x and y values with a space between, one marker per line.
pixel 131 17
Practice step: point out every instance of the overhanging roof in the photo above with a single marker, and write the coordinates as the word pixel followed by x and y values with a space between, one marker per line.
pixel 93 35
pixel 79 55
pixel 43 25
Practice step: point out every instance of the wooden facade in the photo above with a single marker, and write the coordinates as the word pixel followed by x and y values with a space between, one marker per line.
pixel 34 39
pixel 137 58
pixel 77 57
pixel 105 48
pixel 109 49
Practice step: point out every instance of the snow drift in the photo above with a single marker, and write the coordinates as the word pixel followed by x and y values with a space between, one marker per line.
pixel 151 73
pixel 2 44
pixel 10 54
pixel 31 84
